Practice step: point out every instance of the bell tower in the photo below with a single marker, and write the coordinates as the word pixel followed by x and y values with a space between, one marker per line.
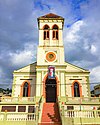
pixel 50 49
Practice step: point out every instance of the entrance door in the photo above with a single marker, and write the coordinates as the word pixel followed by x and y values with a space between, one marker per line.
pixel 51 90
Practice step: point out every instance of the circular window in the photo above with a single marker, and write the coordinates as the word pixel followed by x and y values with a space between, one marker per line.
pixel 50 56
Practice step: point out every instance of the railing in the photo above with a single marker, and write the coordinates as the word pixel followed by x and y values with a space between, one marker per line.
pixel 40 108
pixel 47 43
pixel 21 116
pixel 77 117
pixel 59 107
pixel 55 42
pixel 17 116
pixel 83 113
pixel 79 100
pixel 80 116
pixel 17 99
pixel 40 101
pixel 68 99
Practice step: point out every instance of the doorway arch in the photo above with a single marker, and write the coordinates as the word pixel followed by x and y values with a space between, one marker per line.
pixel 51 90
pixel 56 83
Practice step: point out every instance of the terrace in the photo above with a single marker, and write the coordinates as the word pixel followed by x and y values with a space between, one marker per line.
pixel 68 116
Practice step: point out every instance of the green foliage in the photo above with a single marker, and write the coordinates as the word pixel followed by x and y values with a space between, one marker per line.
pixel 5 90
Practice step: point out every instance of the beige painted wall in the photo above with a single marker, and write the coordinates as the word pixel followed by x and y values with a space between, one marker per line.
pixel 18 82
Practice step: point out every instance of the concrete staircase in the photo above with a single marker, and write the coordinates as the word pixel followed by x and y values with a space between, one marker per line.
pixel 50 114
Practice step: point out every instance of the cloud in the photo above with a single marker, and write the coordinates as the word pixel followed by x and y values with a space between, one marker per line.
pixel 27 55
pixel 93 49
pixel 72 34
pixel 5 81
pixel 19 32
pixel 82 43
pixel 95 74
pixel 0 72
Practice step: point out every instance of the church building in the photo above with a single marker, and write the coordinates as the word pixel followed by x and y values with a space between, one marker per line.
pixel 50 91
pixel 51 76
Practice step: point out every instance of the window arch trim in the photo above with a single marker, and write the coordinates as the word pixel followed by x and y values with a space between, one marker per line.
pixel 55 33
pixel 22 86
pixel 80 88
pixel 46 25
pixel 55 25
pixel 46 32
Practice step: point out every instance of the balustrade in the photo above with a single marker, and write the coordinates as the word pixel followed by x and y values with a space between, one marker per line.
pixel 83 113
pixel 17 99
pixel 18 116
pixel 82 100
pixel 1 116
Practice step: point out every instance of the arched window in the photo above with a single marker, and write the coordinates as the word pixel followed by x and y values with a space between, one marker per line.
pixel 46 32
pixel 25 89
pixel 55 32
pixel 76 90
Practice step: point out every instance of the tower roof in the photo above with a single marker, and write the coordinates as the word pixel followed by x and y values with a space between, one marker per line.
pixel 50 16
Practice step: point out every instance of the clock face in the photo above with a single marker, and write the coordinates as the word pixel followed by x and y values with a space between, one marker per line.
pixel 50 56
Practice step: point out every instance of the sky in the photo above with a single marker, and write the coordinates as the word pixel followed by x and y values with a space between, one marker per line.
pixel 19 34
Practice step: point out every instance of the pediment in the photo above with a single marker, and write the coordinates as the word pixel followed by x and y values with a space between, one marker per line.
pixel 28 68
pixel 73 68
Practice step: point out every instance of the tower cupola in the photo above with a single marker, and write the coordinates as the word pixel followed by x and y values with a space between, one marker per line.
pixel 50 30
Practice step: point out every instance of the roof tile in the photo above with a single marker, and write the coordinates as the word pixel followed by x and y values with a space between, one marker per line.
pixel 50 15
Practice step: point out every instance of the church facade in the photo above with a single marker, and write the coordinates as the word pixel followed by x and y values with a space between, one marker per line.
pixel 51 77
pixel 50 91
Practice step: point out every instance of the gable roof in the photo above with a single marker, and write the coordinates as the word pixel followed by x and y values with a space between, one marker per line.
pixel 50 15
pixel 74 68
pixel 28 68
pixel 69 69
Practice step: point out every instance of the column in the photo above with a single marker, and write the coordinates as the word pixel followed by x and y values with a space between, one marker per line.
pixel 62 82
pixel 38 84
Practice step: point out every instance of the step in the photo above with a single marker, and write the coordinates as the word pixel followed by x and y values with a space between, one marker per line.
pixel 50 114
pixel 48 123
